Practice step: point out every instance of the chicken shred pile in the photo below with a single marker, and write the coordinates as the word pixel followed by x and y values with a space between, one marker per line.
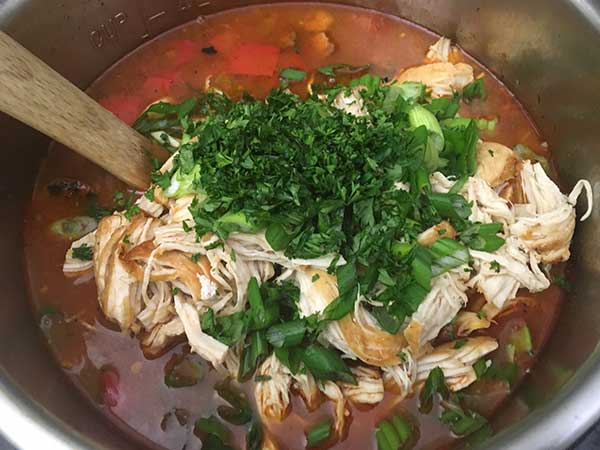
pixel 149 283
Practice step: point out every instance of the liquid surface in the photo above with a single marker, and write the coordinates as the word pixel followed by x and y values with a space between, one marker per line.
pixel 107 365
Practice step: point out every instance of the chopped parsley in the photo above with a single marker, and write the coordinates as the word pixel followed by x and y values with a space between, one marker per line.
pixel 319 182
pixel 132 211
pixel 149 194
pixel 495 266
pixel 84 252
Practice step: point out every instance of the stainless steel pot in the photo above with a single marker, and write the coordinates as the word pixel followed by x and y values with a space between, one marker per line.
pixel 547 52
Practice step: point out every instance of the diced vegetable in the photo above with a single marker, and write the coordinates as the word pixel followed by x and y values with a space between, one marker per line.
pixel 212 425
pixel 184 184
pixel 239 413
pixel 254 436
pixel 521 340
pixel 462 423
pixel 505 372
pixel 393 434
pixel 74 228
pixel 318 434
pixel 183 371
pixel 475 89
pixel 419 116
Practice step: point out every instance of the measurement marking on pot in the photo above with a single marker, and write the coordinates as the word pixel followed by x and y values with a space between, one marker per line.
pixel 108 30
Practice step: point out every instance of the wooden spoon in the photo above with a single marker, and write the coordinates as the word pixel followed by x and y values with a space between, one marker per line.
pixel 33 93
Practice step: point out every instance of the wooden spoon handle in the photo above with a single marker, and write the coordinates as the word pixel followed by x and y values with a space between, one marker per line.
pixel 33 93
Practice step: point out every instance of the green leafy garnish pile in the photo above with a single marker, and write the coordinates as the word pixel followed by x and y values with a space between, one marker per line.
pixel 319 181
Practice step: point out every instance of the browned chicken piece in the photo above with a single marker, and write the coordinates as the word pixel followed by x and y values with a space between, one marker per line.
pixel 369 389
pixel 442 78
pixel 496 163
pixel 273 393
pixel 161 337
pixel 306 386
pixel 116 287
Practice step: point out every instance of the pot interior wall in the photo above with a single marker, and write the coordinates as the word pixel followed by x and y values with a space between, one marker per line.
pixel 546 51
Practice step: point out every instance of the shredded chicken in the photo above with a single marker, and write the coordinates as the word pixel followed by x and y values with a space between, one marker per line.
pixel 439 51
pixel 442 78
pixel 369 389
pixel 456 363
pixel 546 222
pixel 364 341
pixel 306 385
pixel 467 322
pixel 442 303
pixel 486 205
pixel 272 394
pixel 501 274
pixel 341 413
pixel 402 376
pixel 160 337
pixel 351 103
pixel 150 207
pixel 496 163
pixel 203 344
pixel 116 287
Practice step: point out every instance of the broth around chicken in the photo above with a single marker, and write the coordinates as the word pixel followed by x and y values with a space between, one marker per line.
pixel 356 244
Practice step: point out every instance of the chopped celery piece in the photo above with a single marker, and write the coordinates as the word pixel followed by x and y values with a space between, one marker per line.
pixel 184 184
pixel 74 227
pixel 521 340
pixel 525 152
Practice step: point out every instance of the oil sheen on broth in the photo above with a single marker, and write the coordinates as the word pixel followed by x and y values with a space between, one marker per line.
pixel 107 365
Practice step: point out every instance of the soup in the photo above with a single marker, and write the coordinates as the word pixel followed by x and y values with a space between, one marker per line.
pixel 159 389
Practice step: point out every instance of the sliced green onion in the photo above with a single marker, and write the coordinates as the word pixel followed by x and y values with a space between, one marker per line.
pixel 287 334
pixel 74 228
pixel 319 434
pixel 326 364
pixel 212 425
pixel 521 340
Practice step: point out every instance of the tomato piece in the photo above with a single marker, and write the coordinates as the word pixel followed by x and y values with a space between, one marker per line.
pixel 225 42
pixel 125 107
pixel 109 380
pixel 254 59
